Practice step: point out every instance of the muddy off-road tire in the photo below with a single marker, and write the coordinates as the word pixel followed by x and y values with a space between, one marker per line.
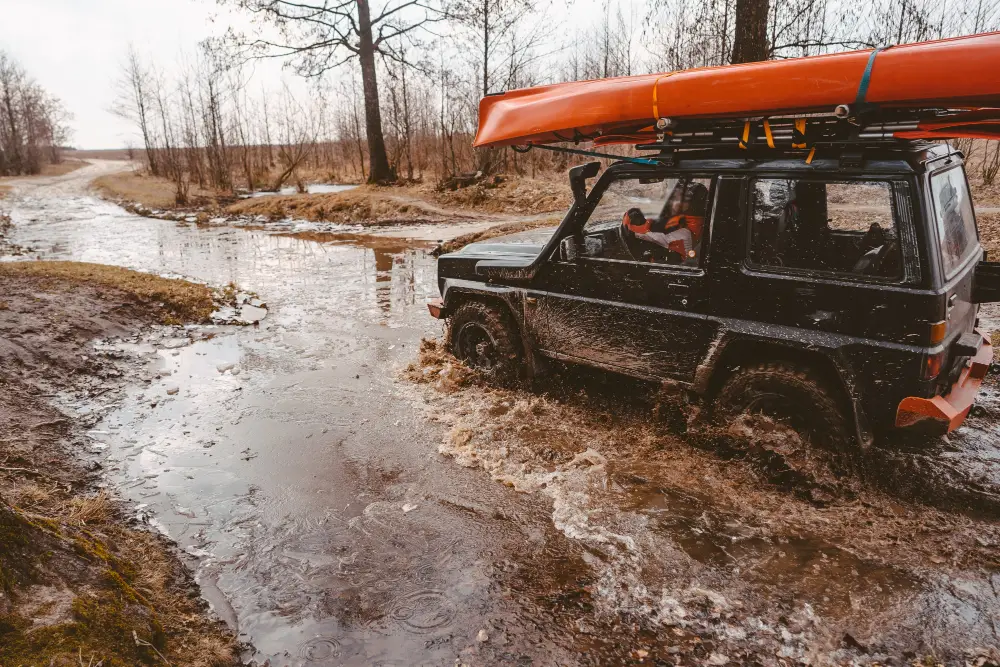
pixel 790 394
pixel 484 337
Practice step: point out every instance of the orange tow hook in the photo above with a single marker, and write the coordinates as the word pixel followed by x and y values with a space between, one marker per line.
pixel 436 307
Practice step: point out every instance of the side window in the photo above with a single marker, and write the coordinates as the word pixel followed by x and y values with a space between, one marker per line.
pixel 663 222
pixel 845 227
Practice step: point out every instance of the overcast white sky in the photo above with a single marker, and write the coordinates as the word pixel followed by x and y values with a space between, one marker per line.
pixel 74 49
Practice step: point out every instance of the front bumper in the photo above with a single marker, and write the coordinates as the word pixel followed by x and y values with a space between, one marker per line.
pixel 949 411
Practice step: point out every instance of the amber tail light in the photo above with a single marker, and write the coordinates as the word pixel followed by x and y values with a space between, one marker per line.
pixel 938 331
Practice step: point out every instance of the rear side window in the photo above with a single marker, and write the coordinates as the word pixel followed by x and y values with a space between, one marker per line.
pixel 844 227
pixel 956 221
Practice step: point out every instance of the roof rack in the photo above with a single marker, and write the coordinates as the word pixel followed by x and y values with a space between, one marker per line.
pixel 798 132
pixel 841 132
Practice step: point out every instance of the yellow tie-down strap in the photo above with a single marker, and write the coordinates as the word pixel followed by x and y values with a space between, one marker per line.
pixel 656 98
pixel 745 137
pixel 768 135
pixel 800 129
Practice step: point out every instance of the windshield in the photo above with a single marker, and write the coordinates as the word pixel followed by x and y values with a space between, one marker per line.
pixel 956 221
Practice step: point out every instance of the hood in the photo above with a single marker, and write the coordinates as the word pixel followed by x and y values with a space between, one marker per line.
pixel 521 244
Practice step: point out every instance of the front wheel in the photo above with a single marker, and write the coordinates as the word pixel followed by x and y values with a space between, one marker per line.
pixel 484 337
pixel 790 394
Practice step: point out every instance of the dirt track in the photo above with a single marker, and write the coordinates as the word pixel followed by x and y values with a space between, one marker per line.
pixel 340 510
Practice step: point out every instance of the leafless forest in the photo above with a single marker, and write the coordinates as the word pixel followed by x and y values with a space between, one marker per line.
pixel 33 123
pixel 394 87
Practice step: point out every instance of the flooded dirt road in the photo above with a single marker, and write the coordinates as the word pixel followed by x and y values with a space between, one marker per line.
pixel 336 513
pixel 320 520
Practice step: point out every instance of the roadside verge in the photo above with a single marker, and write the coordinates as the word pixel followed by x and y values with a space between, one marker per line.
pixel 80 579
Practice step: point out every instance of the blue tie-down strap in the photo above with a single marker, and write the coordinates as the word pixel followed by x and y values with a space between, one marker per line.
pixel 866 79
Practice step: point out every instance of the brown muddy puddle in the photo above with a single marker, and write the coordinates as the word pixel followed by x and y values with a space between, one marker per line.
pixel 317 497
pixel 719 546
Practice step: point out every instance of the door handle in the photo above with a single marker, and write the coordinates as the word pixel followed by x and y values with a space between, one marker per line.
pixel 678 287
pixel 805 291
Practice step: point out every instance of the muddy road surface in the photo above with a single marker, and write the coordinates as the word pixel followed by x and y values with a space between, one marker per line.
pixel 338 508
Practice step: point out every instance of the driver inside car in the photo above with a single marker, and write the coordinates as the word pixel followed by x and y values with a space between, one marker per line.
pixel 678 228
pixel 677 241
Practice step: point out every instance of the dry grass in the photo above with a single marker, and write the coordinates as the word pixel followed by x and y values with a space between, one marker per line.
pixel 118 584
pixel 4 189
pixel 180 300
pixel 102 154
pixel 496 231
pixel 517 195
pixel 30 494
pixel 989 233
pixel 150 191
pixel 97 508
pixel 369 204
pixel 362 205
pixel 66 166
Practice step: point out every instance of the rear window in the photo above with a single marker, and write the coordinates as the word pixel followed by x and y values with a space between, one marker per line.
pixel 956 221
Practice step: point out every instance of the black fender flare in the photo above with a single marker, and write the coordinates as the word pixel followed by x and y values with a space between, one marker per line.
pixel 456 292
pixel 731 347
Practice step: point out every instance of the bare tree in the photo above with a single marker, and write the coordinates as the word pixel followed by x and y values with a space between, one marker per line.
pixel 33 124
pixel 133 102
pixel 492 26
pixel 320 35
pixel 990 165
pixel 750 41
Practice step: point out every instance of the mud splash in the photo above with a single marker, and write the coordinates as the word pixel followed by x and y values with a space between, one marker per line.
pixel 746 543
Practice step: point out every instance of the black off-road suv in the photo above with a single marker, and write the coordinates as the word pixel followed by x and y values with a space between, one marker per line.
pixel 840 293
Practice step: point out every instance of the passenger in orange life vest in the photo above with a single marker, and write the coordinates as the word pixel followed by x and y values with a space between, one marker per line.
pixel 680 224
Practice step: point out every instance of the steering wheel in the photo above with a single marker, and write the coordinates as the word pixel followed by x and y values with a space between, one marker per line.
pixel 641 251
pixel 629 242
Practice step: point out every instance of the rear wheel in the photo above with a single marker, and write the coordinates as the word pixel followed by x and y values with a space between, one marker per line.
pixel 789 394
pixel 483 336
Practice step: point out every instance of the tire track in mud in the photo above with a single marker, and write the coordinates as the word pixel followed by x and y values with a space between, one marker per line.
pixel 742 536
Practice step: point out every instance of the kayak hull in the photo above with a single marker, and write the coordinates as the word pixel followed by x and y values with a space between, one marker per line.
pixel 949 73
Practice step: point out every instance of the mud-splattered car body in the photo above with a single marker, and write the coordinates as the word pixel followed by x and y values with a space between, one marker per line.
pixel 900 343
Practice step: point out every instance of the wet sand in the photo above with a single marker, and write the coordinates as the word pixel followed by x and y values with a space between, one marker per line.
pixel 335 511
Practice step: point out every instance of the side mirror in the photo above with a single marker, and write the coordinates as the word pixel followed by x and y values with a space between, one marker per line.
pixel 569 249
pixel 578 179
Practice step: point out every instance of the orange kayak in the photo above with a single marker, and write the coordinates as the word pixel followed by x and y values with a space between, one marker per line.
pixel 959 73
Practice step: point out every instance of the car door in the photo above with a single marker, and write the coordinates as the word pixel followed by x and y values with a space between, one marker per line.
pixel 642 318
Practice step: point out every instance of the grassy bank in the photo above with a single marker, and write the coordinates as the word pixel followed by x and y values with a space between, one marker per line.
pixel 170 301
pixel 80 582
pixel 364 204
pixel 152 192
pixel 361 205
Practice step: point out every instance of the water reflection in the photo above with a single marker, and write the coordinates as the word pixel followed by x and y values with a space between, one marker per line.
pixel 380 280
